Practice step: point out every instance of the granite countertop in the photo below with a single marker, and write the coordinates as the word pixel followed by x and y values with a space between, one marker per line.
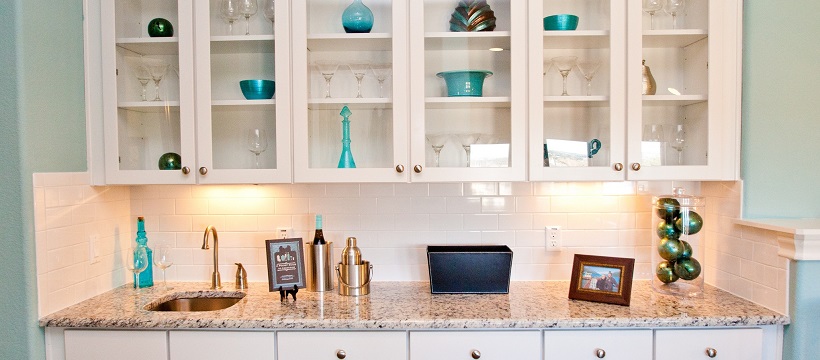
pixel 409 305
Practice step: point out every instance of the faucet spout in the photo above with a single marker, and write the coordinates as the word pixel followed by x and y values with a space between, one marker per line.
pixel 216 281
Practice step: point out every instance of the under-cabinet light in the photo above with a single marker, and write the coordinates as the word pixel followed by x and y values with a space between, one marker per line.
pixel 496 49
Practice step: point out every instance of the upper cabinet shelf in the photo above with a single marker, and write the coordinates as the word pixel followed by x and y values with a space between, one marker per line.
pixel 580 39
pixel 150 46
pixel 673 38
pixel 467 40
pixel 244 44
pixel 350 42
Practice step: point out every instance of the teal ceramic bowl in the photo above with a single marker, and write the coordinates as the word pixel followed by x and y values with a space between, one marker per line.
pixel 465 82
pixel 561 22
pixel 257 89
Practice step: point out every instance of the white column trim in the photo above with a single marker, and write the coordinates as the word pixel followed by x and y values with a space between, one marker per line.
pixel 803 242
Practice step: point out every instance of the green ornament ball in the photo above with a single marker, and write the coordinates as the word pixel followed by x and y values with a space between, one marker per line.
pixel 666 273
pixel 667 208
pixel 687 250
pixel 160 27
pixel 671 249
pixel 687 269
pixel 694 223
pixel 170 161
pixel 668 230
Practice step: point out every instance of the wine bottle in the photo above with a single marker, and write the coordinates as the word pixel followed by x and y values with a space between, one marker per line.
pixel 146 277
pixel 319 236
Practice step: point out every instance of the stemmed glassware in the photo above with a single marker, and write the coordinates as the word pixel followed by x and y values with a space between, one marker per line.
pixel 437 142
pixel 382 72
pixel 547 66
pixel 270 12
pixel 248 8
pixel 466 141
pixel 142 74
pixel 564 65
pixel 359 69
pixel 650 7
pixel 589 69
pixel 257 142
pixel 230 12
pixel 327 69
pixel 679 141
pixel 163 259
pixel 673 7
pixel 136 260
pixel 158 69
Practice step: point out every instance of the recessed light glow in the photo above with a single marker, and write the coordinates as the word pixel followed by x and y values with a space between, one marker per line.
pixel 496 49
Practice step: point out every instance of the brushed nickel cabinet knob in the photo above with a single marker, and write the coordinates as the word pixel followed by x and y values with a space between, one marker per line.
pixel 476 354
pixel 710 352
pixel 618 167
pixel 341 354
pixel 417 169
pixel 186 170
pixel 203 170
pixel 636 166
pixel 600 353
pixel 399 168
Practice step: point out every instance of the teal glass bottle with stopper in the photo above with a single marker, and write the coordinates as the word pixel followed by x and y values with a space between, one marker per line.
pixel 146 277
pixel 346 160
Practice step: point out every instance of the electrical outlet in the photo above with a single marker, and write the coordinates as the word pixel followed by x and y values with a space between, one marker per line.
pixel 94 248
pixel 553 238
pixel 283 233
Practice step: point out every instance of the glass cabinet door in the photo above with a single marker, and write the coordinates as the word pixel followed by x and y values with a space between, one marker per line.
pixel 243 133
pixel 148 91
pixel 577 100
pixel 684 127
pixel 468 90
pixel 350 67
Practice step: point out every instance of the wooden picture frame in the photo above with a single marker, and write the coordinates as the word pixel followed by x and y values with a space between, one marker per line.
pixel 286 263
pixel 601 279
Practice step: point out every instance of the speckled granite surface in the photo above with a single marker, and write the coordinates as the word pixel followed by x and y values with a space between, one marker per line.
pixel 409 305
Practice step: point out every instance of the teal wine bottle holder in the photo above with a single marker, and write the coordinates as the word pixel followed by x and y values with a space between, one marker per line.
pixel 346 161
pixel 146 277
pixel 357 18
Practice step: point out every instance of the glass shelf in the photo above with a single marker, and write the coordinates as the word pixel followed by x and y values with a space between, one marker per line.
pixel 680 100
pixel 150 46
pixel 581 39
pixel 673 38
pixel 351 42
pixel 147 106
pixel 244 44
pixel 468 102
pixel 467 40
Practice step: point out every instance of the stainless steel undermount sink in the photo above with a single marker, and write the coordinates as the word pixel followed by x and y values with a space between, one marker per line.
pixel 196 304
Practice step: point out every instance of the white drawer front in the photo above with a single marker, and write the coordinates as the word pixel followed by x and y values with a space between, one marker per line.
pixel 598 344
pixel 728 344
pixel 115 344
pixel 350 345
pixel 489 345
pixel 220 345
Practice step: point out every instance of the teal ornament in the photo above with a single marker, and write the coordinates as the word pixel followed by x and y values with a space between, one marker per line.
pixel 160 27
pixel 170 161
pixel 666 273
pixel 687 250
pixel 687 269
pixel 671 249
pixel 668 230
pixel 667 208
pixel 357 18
pixel 693 223
pixel 346 160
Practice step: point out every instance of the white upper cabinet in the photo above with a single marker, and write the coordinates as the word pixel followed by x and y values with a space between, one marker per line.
pixel 687 130
pixel 175 102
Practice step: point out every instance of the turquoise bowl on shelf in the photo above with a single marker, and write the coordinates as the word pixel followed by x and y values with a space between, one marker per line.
pixel 465 82
pixel 257 89
pixel 561 22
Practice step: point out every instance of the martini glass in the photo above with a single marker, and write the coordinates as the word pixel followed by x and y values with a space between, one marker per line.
pixel 142 74
pixel 229 9
pixel 437 142
pixel 158 69
pixel 466 141
pixel 547 66
pixel 673 7
pixel 679 141
pixel 359 69
pixel 588 69
pixel 564 64
pixel 327 69
pixel 382 72
pixel 650 7
pixel 248 8
pixel 270 12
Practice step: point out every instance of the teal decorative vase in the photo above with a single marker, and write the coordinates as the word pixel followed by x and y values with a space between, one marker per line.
pixel 146 277
pixel 346 161
pixel 357 18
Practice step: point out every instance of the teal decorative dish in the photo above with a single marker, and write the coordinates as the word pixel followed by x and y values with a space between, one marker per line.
pixel 465 82
pixel 561 22
pixel 257 89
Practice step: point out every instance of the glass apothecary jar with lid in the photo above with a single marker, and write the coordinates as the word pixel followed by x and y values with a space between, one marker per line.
pixel 679 246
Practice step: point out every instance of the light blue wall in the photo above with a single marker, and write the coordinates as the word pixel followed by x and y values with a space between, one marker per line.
pixel 42 130
pixel 781 129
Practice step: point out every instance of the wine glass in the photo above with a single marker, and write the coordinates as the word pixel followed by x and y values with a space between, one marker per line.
pixel 650 7
pixel 466 141
pixel 564 65
pixel 248 8
pixel 437 142
pixel 588 69
pixel 327 69
pixel 270 11
pixel 158 69
pixel 163 259
pixel 136 260
pixel 257 142
pixel 673 7
pixel 359 69
pixel 230 12
pixel 679 141
pixel 382 72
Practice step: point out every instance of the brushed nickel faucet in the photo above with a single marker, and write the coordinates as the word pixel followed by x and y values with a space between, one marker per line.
pixel 216 282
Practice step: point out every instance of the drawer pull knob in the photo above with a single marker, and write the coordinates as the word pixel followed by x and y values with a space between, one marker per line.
pixel 341 354
pixel 186 170
pixel 400 168
pixel 417 169
pixel 600 353
pixel 636 166
pixel 203 170
pixel 619 167
pixel 710 352
pixel 476 354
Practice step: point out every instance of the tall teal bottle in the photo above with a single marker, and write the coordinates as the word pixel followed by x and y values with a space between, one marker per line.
pixel 146 276
pixel 346 160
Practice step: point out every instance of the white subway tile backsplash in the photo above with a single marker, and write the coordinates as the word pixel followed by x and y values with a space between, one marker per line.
pixel 481 222
pixel 376 190
pixel 394 205
pixel 428 205
pixel 404 189
pixel 464 205
pixel 446 189
pixel 192 206
pixel 514 189
pixel 497 204
pixel 514 221
pixel 481 189
pixel 447 222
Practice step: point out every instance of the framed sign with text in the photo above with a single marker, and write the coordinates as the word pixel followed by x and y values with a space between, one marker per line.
pixel 286 263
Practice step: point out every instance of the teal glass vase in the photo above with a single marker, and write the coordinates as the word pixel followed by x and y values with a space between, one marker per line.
pixel 346 160
pixel 146 277
pixel 357 18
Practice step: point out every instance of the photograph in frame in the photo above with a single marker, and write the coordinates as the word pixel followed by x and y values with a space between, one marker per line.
pixel 601 279
pixel 286 263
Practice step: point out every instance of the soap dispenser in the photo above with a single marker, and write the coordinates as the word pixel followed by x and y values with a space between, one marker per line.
pixel 241 277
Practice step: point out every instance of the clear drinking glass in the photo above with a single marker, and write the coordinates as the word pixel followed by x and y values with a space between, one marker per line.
pixel 257 142
pixel 678 141
pixel 248 8
pixel 229 9
pixel 163 259
pixel 359 69
pixel 650 7
pixel 673 7
pixel 270 12
pixel 136 260
pixel 327 69
pixel 565 65
pixel 588 70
